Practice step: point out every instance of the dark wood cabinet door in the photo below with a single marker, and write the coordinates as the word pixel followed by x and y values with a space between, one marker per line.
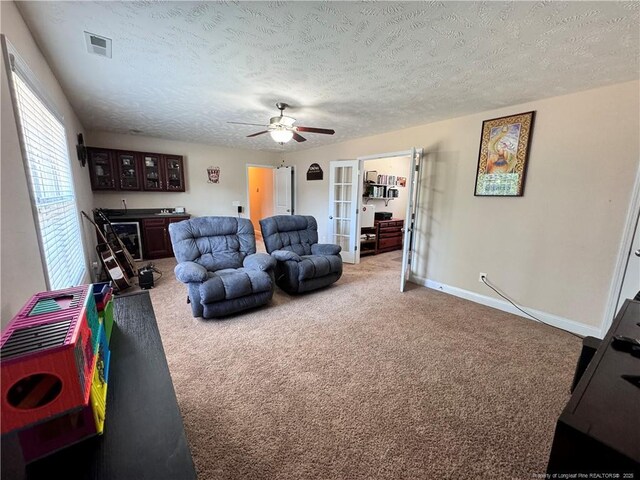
pixel 128 164
pixel 102 169
pixel 111 169
pixel 173 220
pixel 156 238
pixel 153 172
pixel 174 173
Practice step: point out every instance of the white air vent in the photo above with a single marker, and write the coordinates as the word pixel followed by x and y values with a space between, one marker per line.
pixel 98 45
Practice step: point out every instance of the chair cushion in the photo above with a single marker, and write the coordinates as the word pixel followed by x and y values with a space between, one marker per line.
pixel 259 261
pixel 213 242
pixel 188 272
pixel 234 283
pixel 325 249
pixel 314 266
pixel 295 233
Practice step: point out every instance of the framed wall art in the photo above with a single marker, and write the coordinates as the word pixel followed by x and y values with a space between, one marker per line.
pixel 213 175
pixel 503 156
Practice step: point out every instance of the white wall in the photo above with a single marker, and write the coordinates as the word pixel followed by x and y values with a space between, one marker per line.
pixel 200 198
pixel 22 272
pixel 555 248
pixel 398 166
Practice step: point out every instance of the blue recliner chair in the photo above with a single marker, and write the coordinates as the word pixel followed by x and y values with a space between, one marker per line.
pixel 303 263
pixel 218 262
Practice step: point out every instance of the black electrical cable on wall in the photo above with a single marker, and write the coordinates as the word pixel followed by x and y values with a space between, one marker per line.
pixel 484 280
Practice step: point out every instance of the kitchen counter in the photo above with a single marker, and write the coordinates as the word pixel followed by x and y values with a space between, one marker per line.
pixel 133 214
pixel 144 231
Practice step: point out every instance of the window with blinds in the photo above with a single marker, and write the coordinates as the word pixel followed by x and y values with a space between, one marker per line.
pixel 49 173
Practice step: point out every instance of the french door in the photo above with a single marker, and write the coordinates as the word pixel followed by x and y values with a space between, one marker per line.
pixel 344 185
pixel 413 187
pixel 408 247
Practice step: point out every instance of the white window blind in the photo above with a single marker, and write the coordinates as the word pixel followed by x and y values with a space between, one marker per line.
pixel 51 183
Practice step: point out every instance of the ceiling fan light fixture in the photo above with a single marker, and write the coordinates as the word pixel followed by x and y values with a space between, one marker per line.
pixel 282 128
pixel 281 135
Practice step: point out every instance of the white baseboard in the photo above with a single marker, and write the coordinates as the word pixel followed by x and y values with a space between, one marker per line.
pixel 555 320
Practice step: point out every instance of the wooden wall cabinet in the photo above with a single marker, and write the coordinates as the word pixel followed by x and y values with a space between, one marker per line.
pixel 163 173
pixel 128 167
pixel 135 171
pixel 102 169
pixel 174 173
pixel 153 177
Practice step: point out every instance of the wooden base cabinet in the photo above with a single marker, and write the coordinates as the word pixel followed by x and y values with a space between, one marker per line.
pixel 368 241
pixel 384 236
pixel 390 235
pixel 155 236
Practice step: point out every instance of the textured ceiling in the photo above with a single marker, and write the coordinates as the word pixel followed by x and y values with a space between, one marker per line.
pixel 180 70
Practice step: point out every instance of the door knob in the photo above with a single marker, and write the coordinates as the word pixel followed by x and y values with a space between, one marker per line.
pixel 330 217
pixel 637 252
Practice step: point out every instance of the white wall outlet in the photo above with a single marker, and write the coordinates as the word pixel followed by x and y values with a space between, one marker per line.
pixel 482 276
pixel 235 203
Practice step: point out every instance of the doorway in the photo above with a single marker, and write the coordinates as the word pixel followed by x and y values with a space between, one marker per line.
pixel 354 187
pixel 384 204
pixel 260 195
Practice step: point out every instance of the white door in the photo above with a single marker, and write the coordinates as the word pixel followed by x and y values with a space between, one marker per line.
pixel 410 218
pixel 631 281
pixel 283 190
pixel 343 207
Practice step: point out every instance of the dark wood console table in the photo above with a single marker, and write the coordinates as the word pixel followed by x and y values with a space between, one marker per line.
pixel 599 429
pixel 144 435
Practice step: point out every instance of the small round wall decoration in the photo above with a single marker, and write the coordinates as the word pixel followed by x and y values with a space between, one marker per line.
pixel 213 175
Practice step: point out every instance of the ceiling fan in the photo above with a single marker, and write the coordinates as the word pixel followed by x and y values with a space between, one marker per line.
pixel 283 128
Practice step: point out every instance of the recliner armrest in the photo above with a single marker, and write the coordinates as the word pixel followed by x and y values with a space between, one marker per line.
pixel 259 261
pixel 325 249
pixel 284 255
pixel 188 272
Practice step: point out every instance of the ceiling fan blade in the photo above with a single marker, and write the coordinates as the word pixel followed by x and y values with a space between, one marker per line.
pixel 298 138
pixel 259 133
pixel 254 124
pixel 326 131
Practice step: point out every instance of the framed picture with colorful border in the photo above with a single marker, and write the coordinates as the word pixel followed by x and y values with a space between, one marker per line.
pixel 503 156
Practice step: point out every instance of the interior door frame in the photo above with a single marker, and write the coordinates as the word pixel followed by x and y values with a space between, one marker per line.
pixel 403 153
pixel 273 197
pixel 624 251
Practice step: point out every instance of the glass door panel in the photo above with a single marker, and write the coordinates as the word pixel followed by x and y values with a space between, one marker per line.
pixel 102 174
pixel 129 171
pixel 343 178
pixel 153 177
pixel 174 176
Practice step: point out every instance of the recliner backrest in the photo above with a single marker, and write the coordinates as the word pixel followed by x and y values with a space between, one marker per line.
pixel 295 233
pixel 213 242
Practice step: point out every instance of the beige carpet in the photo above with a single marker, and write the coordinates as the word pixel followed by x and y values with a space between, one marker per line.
pixel 360 381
